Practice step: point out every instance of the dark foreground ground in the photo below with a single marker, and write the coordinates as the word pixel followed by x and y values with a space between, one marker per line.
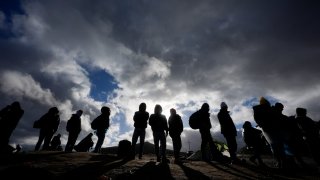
pixel 76 165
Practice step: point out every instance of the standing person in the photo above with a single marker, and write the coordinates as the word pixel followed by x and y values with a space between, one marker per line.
pixel 229 131
pixel 267 118
pixel 140 119
pixel 175 130
pixel 101 125
pixel 204 129
pixel 74 129
pixel 49 124
pixel 9 118
pixel 159 124
pixel 310 133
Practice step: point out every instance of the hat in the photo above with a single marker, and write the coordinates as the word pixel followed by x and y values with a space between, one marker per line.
pixel 223 105
pixel 264 101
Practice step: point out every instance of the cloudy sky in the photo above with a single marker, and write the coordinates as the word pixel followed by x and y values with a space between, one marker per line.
pixel 80 54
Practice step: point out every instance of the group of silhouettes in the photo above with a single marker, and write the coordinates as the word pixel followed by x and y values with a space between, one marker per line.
pixel 289 137
pixel 286 135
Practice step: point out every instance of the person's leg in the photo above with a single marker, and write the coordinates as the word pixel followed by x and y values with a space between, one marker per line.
pixel 40 140
pixel 101 135
pixel 134 142
pixel 232 145
pixel 156 139
pixel 142 137
pixel 47 140
pixel 204 142
pixel 71 141
pixel 163 146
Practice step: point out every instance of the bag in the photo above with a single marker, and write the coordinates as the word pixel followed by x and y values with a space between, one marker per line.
pixel 194 120
pixel 94 124
pixel 37 124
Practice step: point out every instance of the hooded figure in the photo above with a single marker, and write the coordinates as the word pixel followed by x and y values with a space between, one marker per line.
pixel 49 124
pixel 228 129
pixel 74 129
pixel 140 119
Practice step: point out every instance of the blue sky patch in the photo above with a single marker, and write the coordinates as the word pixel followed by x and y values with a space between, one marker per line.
pixel 102 84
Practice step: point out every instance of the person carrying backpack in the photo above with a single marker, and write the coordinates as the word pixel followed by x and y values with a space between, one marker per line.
pixel 74 129
pixel 49 124
pixel 101 125
pixel 206 138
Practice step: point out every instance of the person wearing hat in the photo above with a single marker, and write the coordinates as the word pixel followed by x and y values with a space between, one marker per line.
pixel 229 131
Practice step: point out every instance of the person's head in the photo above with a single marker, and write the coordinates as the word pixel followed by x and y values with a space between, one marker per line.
pixel 205 107
pixel 173 111
pixel 246 125
pixel 105 110
pixel 15 105
pixel 301 112
pixel 279 107
pixel 223 106
pixel 157 109
pixel 79 112
pixel 54 110
pixel 142 107
pixel 264 101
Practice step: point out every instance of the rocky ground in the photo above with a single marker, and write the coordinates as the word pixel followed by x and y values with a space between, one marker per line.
pixel 82 165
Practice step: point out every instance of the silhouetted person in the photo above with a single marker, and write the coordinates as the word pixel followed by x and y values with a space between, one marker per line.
pixel 85 144
pixel 229 131
pixel 102 122
pixel 175 130
pixel 159 126
pixel 265 116
pixel 204 129
pixel 140 119
pixel 254 139
pixel 49 124
pixel 294 139
pixel 310 132
pixel 74 129
pixel 56 143
pixel 9 118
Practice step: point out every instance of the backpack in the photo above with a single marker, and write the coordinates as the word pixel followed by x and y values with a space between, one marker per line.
pixel 94 124
pixel 194 120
